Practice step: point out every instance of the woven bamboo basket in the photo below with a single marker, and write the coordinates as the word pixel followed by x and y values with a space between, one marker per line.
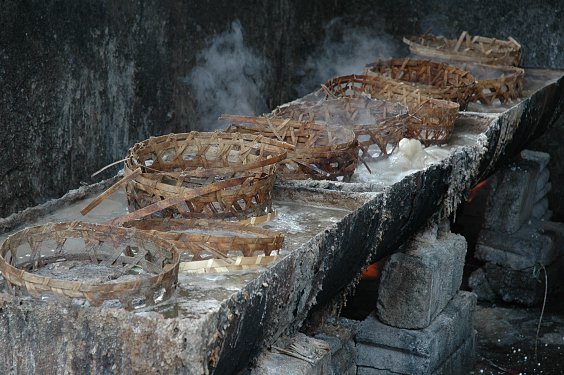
pixel 503 83
pixel 430 120
pixel 374 122
pixel 434 79
pixel 321 152
pixel 214 175
pixel 477 49
pixel 110 263
pixel 218 239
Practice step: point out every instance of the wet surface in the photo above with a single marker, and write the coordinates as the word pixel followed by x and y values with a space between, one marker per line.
pixel 507 336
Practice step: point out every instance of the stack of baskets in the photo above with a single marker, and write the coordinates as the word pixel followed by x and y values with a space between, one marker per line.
pixel 375 122
pixel 493 62
pixel 430 120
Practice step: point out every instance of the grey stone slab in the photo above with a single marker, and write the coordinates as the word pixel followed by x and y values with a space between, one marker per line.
pixel 540 208
pixel 406 351
pixel 542 192
pixel 543 179
pixel 534 242
pixel 512 198
pixel 480 285
pixel 418 284
pixel 297 355
pixel 541 158
pixel 459 362
pixel 343 350
pixel 517 286
pixel 462 360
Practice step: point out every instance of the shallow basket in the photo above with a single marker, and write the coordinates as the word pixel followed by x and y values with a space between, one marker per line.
pixel 434 79
pixel 33 259
pixel 218 239
pixel 477 49
pixel 430 120
pixel 177 165
pixel 503 83
pixel 374 122
pixel 321 152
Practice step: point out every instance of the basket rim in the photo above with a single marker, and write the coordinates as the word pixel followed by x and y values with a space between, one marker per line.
pixel 17 275
pixel 389 64
pixel 447 104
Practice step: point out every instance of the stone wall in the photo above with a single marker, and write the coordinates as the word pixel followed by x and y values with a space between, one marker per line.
pixel 80 82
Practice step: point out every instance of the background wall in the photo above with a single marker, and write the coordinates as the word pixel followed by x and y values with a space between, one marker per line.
pixel 81 81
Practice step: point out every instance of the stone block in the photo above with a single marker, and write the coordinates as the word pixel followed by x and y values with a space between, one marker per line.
pixel 418 284
pixel 540 208
pixel 512 197
pixel 516 286
pixel 343 350
pixel 459 362
pixel 531 244
pixel 405 351
pixel 462 360
pixel 541 158
pixel 297 355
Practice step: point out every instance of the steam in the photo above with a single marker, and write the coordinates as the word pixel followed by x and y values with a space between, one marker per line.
pixel 345 50
pixel 228 78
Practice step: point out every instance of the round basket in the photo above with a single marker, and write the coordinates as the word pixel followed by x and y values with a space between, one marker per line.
pixel 434 79
pixel 177 165
pixel 466 48
pixel 218 239
pixel 374 122
pixel 93 262
pixel 430 120
pixel 503 83
pixel 321 152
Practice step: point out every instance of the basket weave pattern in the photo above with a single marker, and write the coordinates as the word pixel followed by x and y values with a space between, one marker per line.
pixel 120 248
pixel 503 83
pixel 374 122
pixel 175 164
pixel 213 237
pixel 321 152
pixel 466 48
pixel 431 120
pixel 434 79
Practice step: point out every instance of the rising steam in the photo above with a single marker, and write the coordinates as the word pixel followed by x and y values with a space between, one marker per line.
pixel 347 47
pixel 228 78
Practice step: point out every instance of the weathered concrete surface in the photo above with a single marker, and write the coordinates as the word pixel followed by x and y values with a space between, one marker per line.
pixel 404 351
pixel 218 334
pixel 418 283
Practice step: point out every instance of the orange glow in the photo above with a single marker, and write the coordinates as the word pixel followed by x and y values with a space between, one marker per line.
pixel 372 271
pixel 475 190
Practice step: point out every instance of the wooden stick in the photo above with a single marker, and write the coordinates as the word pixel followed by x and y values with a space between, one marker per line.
pixel 106 167
pixel 166 203
pixel 112 189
